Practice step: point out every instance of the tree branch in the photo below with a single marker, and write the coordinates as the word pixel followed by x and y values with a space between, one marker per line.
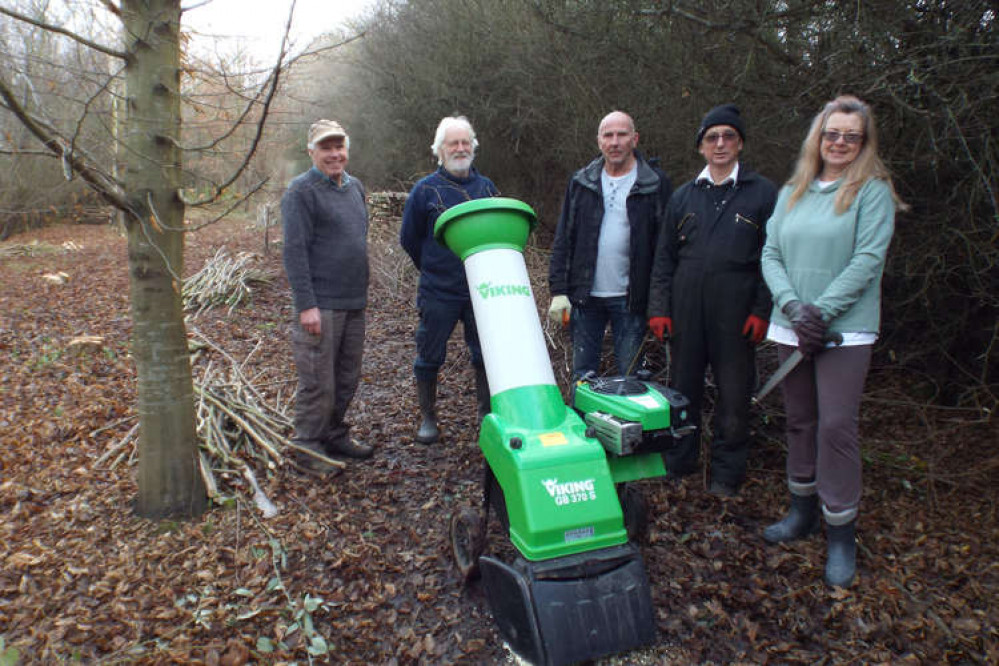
pixel 105 187
pixel 111 7
pixel 745 26
pixel 273 79
pixel 35 153
pixel 107 50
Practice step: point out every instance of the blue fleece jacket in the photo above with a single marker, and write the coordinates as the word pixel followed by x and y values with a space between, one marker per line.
pixel 442 275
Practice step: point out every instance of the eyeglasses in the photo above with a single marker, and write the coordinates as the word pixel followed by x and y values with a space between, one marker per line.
pixel 832 136
pixel 728 136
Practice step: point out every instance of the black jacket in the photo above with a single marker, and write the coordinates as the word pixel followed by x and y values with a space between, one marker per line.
pixel 574 253
pixel 708 258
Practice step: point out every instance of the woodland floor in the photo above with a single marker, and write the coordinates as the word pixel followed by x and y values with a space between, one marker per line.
pixel 83 579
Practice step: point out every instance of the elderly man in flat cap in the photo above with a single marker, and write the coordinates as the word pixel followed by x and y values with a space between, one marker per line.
pixel 325 220
pixel 709 297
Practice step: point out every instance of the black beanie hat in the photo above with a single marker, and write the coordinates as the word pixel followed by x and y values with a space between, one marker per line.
pixel 726 114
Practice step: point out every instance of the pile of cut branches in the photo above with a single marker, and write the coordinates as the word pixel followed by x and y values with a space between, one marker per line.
pixel 241 435
pixel 223 280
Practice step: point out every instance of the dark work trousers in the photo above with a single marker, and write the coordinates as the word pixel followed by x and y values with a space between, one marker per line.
pixel 822 401
pixel 698 343
pixel 589 325
pixel 438 318
pixel 329 369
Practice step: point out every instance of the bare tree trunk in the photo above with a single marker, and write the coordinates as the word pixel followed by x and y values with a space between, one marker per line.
pixel 169 482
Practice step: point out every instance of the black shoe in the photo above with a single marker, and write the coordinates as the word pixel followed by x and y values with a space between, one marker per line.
pixel 722 489
pixel 349 448
pixel 674 480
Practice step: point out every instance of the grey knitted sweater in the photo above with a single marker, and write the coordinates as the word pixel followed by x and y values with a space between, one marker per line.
pixel 326 242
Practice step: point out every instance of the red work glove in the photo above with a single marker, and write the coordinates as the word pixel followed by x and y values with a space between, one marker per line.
pixel 659 325
pixel 755 329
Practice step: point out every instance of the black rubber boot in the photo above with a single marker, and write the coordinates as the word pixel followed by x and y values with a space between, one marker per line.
pixel 801 521
pixel 482 397
pixel 428 432
pixel 841 559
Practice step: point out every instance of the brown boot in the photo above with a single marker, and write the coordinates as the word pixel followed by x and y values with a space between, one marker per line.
pixel 349 448
pixel 311 458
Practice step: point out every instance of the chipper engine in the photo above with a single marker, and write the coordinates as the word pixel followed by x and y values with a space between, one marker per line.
pixel 558 477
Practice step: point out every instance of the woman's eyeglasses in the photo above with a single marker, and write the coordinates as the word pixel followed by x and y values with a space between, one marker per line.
pixel 832 136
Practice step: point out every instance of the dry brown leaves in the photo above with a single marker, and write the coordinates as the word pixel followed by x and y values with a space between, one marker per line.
pixel 82 578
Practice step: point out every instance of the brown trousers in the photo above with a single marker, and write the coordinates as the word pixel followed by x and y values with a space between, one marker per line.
pixel 822 400
pixel 329 369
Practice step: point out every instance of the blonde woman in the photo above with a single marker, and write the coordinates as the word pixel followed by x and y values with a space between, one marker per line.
pixel 823 261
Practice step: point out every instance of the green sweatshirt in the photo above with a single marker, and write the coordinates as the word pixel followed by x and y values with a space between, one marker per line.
pixel 834 261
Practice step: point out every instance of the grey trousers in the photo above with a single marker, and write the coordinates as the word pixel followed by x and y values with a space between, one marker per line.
pixel 329 369
pixel 822 400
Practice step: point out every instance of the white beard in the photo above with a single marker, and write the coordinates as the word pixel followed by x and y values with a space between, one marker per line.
pixel 458 165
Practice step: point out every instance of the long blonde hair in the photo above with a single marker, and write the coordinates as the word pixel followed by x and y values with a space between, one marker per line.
pixel 867 165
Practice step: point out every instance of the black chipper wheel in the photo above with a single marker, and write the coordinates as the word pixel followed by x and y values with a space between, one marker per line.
pixel 636 512
pixel 468 541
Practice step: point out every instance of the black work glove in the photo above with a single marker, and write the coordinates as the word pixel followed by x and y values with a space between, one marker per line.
pixel 808 325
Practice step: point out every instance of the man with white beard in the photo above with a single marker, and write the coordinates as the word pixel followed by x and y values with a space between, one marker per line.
pixel 442 297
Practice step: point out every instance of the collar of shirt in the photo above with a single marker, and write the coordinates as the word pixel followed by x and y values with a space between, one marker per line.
pixel 705 175
pixel 346 178
pixel 616 188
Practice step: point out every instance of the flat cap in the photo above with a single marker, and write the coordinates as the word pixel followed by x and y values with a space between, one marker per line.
pixel 324 129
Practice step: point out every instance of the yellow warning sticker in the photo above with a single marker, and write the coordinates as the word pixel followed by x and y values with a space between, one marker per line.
pixel 553 439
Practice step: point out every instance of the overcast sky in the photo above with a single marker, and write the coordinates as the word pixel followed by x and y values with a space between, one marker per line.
pixel 258 25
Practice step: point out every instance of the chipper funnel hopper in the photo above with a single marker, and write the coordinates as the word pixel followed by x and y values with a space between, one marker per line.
pixel 577 589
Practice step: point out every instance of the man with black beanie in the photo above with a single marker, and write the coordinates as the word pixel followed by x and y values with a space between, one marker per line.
pixel 707 294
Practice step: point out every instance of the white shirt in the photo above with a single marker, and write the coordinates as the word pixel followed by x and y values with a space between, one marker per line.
pixel 706 175
pixel 610 277
pixel 787 336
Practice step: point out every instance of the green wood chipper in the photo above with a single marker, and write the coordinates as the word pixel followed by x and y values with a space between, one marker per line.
pixel 558 477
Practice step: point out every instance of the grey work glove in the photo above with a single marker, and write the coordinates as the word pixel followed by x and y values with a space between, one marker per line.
pixel 808 325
